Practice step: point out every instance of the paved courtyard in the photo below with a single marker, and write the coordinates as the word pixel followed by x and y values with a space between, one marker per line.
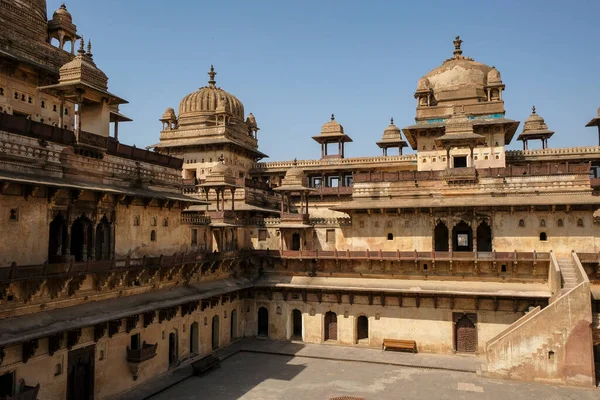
pixel 250 375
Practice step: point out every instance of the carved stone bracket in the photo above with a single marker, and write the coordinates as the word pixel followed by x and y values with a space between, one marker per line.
pixel 131 323
pixel 29 288
pixel 29 349
pixel 167 313
pixel 149 318
pixel 73 337
pixel 99 331
pixel 54 343
pixel 114 326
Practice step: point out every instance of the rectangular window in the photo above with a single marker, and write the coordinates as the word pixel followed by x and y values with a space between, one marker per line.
pixel 135 342
pixel 262 235
pixel 330 235
pixel 460 161
pixel 194 237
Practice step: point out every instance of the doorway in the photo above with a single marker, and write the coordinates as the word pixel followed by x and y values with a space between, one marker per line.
pixel 295 241
pixel 7 384
pixel 233 328
pixel 462 237
pixel 484 237
pixel 80 379
pixel 215 332
pixel 297 324
pixel 465 332
pixel 57 240
pixel 103 240
pixel 330 326
pixel 263 322
pixel 440 237
pixel 194 339
pixel 362 329
pixel 460 161
pixel 172 349
pixel 81 239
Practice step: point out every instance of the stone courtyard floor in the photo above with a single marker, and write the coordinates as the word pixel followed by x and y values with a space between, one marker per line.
pixel 265 370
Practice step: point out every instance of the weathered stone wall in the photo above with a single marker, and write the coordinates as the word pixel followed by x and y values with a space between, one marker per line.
pixel 431 328
pixel 553 346
pixel 112 374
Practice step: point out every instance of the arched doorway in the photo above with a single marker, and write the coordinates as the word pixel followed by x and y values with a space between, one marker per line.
pixel 330 326
pixel 484 237
pixel 362 328
pixel 215 332
pixel 81 238
pixel 297 324
pixel 295 241
pixel 263 322
pixel 194 348
pixel 233 327
pixel 103 232
pixel 465 333
pixel 172 348
pixel 440 237
pixel 462 237
pixel 57 240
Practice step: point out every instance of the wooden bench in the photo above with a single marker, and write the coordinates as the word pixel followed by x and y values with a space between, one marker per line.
pixel 399 344
pixel 204 364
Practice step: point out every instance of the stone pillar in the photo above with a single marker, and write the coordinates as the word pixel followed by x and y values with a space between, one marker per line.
pixel 223 198
pixel 61 117
pixel 111 242
pixel 232 199
pixel 217 190
pixel 84 249
pixel 474 229
pixel 117 131
pixel 472 156
pixel 67 251
pixel 447 157
pixel 306 199
pixel 92 251
pixel 301 202
pixel 450 235
pixel 282 201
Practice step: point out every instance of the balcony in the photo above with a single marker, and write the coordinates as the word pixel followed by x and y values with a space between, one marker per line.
pixel 460 175
pixel 296 218
pixel 25 393
pixel 136 357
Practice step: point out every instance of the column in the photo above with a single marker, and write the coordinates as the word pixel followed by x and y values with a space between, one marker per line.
pixel 450 235
pixel 117 131
pixel 323 146
pixel 92 251
pixel 218 206
pixel 306 199
pixel 474 230
pixel 111 241
pixel 62 112
pixel 67 251
pixel 84 249
pixel 447 157
pixel 472 157
pixel 232 199
pixel 301 202
pixel 223 198
pixel 282 200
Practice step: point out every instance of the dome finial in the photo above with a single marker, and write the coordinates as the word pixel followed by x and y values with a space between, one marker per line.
pixel 81 46
pixel 457 43
pixel 212 74
pixel 295 163
pixel 221 159
pixel 533 109
pixel 392 121
pixel 63 6
pixel 332 117
pixel 89 48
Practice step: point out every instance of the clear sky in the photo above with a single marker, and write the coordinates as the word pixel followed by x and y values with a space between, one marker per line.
pixel 293 63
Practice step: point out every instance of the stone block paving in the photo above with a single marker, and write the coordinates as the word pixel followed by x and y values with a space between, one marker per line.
pixel 265 370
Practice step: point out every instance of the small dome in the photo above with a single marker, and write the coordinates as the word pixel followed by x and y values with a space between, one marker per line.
pixel 207 101
pixel 494 76
pixel 392 131
pixel 424 84
pixel 535 127
pixel 62 14
pixel 169 115
pixel 332 127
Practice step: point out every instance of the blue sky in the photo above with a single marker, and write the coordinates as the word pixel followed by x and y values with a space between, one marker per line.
pixel 294 63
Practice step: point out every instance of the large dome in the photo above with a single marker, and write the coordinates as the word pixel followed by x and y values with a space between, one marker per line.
pixel 207 101
pixel 458 72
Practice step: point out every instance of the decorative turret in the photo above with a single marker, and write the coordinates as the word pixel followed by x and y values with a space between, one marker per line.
pixel 332 132
pixel 392 138
pixel 535 128
pixel 61 27
pixel 596 122
pixel 169 119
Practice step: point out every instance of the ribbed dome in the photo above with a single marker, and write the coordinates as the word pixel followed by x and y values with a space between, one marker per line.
pixel 534 123
pixel 392 131
pixel 83 69
pixel 332 127
pixel 208 100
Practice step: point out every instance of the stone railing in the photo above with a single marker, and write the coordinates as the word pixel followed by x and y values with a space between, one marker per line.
pixel 517 154
pixel 327 191
pixel 335 161
pixel 193 219
pixel 145 353
pixel 342 221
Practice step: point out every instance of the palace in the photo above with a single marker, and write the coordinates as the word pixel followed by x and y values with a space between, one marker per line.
pixel 119 263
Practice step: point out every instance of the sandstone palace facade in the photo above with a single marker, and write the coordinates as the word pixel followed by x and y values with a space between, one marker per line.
pixel 119 263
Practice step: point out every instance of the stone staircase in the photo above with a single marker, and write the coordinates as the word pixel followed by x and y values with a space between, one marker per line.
pixel 567 270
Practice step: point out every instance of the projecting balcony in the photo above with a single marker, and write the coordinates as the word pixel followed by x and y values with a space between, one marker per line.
pixel 147 352
pixel 460 175
pixel 294 217
pixel 26 393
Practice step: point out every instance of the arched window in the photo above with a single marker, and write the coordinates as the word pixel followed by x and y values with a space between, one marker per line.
pixel 560 222
pixel 166 222
pixel 390 236
pixel 521 223
pixel 153 236
pixel 543 223
pixel 136 221
pixel 580 222
pixel 543 236
pixel 154 221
